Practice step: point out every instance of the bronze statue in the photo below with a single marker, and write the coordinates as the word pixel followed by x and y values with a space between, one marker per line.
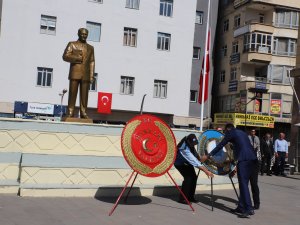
pixel 80 55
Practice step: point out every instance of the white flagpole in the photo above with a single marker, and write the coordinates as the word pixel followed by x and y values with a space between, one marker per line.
pixel 204 68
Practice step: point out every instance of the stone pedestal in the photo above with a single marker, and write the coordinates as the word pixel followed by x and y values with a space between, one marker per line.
pixel 77 120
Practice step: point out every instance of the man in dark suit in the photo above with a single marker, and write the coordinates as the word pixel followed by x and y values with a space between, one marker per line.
pixel 247 162
pixel 80 55
pixel 267 150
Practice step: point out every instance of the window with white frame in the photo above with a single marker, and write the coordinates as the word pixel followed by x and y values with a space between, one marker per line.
pixel 94 31
pixel 199 17
pixel 48 25
pixel 132 4
pixel 130 37
pixel 166 8
pixel 224 50
pixel 237 21
pixel 163 41
pixel 285 46
pixel 226 26
pixel 127 85
pixel 222 76
pixel 160 89
pixel 93 86
pixel 277 74
pixel 233 73
pixel 257 42
pixel 44 77
pixel 193 96
pixel 196 52
pixel 96 1
pixel 287 18
pixel 235 47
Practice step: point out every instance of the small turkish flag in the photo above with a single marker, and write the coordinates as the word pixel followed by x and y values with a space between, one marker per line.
pixel 104 102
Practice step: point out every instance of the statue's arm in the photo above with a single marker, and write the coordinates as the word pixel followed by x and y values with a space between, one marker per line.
pixel 70 56
pixel 92 66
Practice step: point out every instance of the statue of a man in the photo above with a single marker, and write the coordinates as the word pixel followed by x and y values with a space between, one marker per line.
pixel 80 55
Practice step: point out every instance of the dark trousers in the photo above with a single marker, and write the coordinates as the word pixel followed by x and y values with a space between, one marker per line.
pixel 189 181
pixel 246 170
pixel 266 164
pixel 280 162
pixel 254 184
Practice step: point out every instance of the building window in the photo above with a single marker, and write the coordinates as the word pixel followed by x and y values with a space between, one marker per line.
pixel 261 18
pixel 132 4
pixel 163 41
pixel 257 42
pixel 226 26
pixel 224 50
pixel 130 37
pixel 235 47
pixel 93 86
pixel 277 74
pixel 222 76
pixel 48 25
pixel 44 77
pixel 166 8
pixel 285 18
pixel 127 85
pixel 193 96
pixel 199 17
pixel 94 31
pixel 237 21
pixel 196 52
pixel 160 89
pixel 96 1
pixel 233 73
pixel 285 46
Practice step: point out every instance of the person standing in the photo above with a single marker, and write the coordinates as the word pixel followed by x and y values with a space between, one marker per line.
pixel 186 160
pixel 247 162
pixel 281 153
pixel 254 140
pixel 267 150
pixel 80 55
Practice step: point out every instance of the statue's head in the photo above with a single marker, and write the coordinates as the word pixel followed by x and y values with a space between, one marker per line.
pixel 83 34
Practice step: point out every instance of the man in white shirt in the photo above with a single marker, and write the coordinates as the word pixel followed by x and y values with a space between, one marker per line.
pixel 281 152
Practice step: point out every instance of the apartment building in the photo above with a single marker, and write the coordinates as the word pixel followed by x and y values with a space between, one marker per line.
pixel 256 49
pixel 141 47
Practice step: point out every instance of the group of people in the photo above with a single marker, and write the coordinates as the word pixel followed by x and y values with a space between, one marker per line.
pixel 251 156
pixel 267 150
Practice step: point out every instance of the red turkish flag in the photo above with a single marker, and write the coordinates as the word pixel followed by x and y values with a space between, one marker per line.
pixel 104 102
pixel 206 73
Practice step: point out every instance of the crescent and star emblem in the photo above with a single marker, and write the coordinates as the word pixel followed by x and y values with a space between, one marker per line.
pixel 144 143
pixel 106 100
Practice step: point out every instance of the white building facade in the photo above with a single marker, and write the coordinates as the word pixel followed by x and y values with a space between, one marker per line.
pixel 141 47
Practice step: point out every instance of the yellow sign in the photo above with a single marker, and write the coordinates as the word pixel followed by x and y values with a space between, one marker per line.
pixel 238 119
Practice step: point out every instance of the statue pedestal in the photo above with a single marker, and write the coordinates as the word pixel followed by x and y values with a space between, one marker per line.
pixel 77 120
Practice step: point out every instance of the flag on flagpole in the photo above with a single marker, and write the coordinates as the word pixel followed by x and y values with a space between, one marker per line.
pixel 206 74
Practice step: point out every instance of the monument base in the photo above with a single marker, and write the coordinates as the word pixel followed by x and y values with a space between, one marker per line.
pixel 77 120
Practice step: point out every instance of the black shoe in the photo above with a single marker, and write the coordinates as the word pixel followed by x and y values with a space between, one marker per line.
pixel 237 210
pixel 244 215
pixel 251 212
pixel 261 174
pixel 256 206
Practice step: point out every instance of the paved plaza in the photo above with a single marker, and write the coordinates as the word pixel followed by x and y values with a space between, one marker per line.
pixel 280 205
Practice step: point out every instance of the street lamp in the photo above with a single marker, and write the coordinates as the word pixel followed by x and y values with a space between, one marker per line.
pixel 64 91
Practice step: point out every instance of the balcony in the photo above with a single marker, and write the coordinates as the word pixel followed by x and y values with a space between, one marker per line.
pixel 254 26
pixel 254 82
pixel 259 56
pixel 289 3
pixel 238 3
